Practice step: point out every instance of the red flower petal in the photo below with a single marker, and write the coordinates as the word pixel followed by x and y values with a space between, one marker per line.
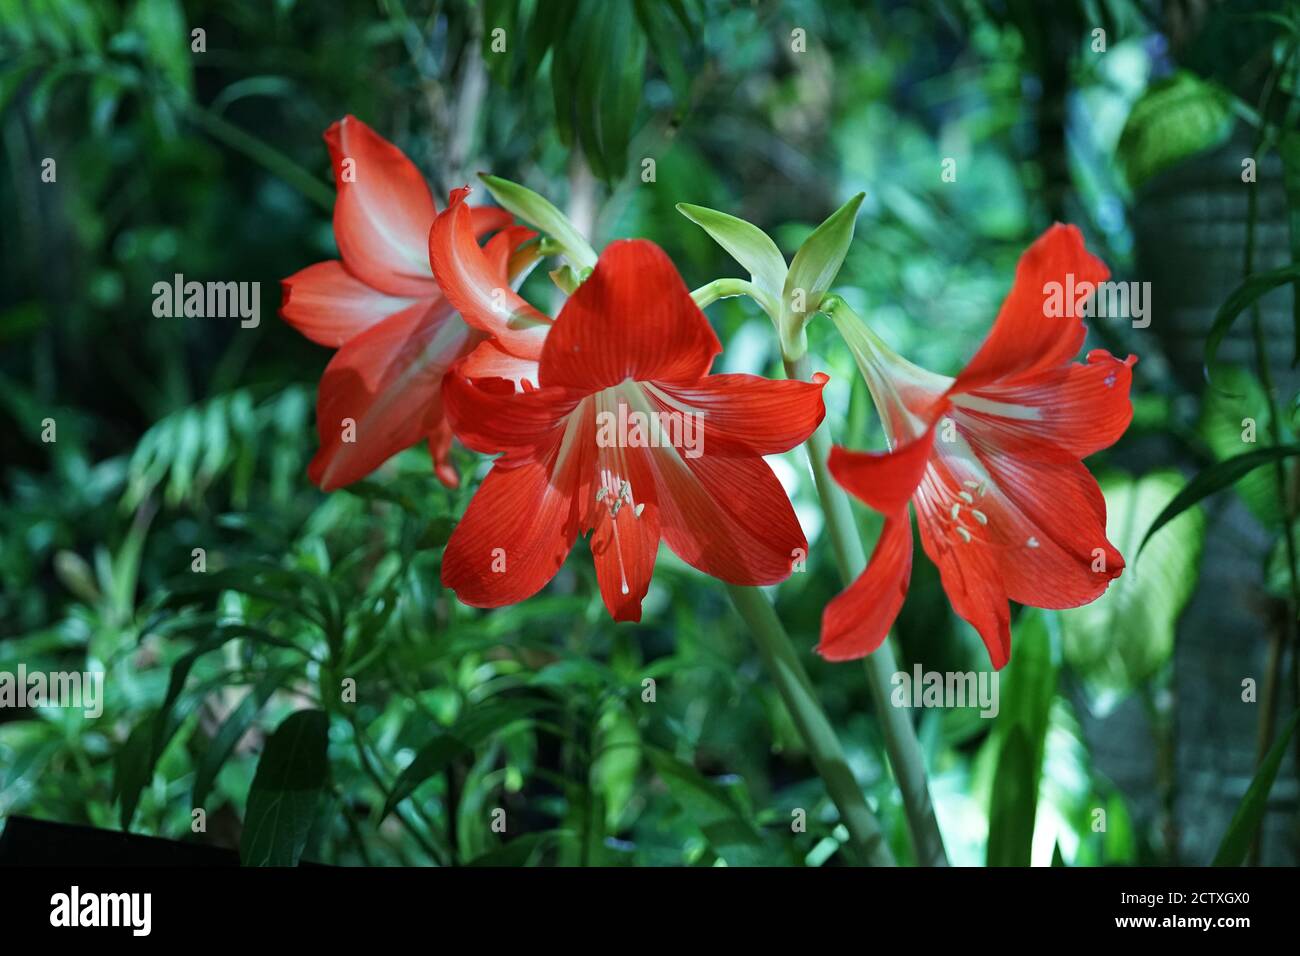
pixel 883 480
pixel 515 534
pixel 970 577
pixel 479 287
pixel 1047 521
pixel 489 416
pixel 728 517
pixel 329 305
pixel 745 414
pixel 1077 409
pixel 625 527
pixel 1024 339
pixel 632 318
pixel 383 210
pixel 440 452
pixel 858 620
pixel 387 382
pixel 489 360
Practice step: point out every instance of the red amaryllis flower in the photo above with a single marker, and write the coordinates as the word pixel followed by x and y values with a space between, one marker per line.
pixel 510 332
pixel 992 463
pixel 381 308
pixel 628 436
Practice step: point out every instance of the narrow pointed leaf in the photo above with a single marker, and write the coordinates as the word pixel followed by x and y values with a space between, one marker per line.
pixel 231 731
pixel 1246 821
pixel 730 834
pixel 474 727
pixel 1239 299
pixel 818 260
pixel 1216 477
pixel 744 242
pixel 542 215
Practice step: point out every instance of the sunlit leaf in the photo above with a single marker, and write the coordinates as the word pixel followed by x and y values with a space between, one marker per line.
pixel 542 215
pixel 1174 119
pixel 1027 686
pixel 746 243
pixel 1127 634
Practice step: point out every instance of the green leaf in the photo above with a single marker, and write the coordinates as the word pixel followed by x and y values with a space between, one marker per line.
pixel 1241 831
pixel 622 53
pixel 1175 118
pixel 1289 150
pixel 473 727
pixel 167 39
pixel 1216 477
pixel 285 798
pixel 748 245
pixel 505 15
pixel 231 731
pixel 617 760
pixel 518 852
pixel 543 216
pixel 139 755
pixel 1239 299
pixel 1026 687
pixel 1222 425
pixel 133 769
pixel 1014 803
pixel 1127 635
pixel 731 836
pixel 812 271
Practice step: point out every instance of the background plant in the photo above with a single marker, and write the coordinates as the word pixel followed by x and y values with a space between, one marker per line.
pixel 174 435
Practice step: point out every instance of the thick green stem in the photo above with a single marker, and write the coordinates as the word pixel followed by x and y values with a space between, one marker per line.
pixel 824 747
pixel 900 736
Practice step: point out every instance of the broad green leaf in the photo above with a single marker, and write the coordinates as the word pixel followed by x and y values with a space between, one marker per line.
pixel 1216 477
pixel 1239 299
pixel 1241 831
pixel 748 245
pixel 730 834
pixel 1174 119
pixel 1228 417
pixel 1026 687
pixel 1127 634
pixel 473 727
pixel 543 216
pixel 285 798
